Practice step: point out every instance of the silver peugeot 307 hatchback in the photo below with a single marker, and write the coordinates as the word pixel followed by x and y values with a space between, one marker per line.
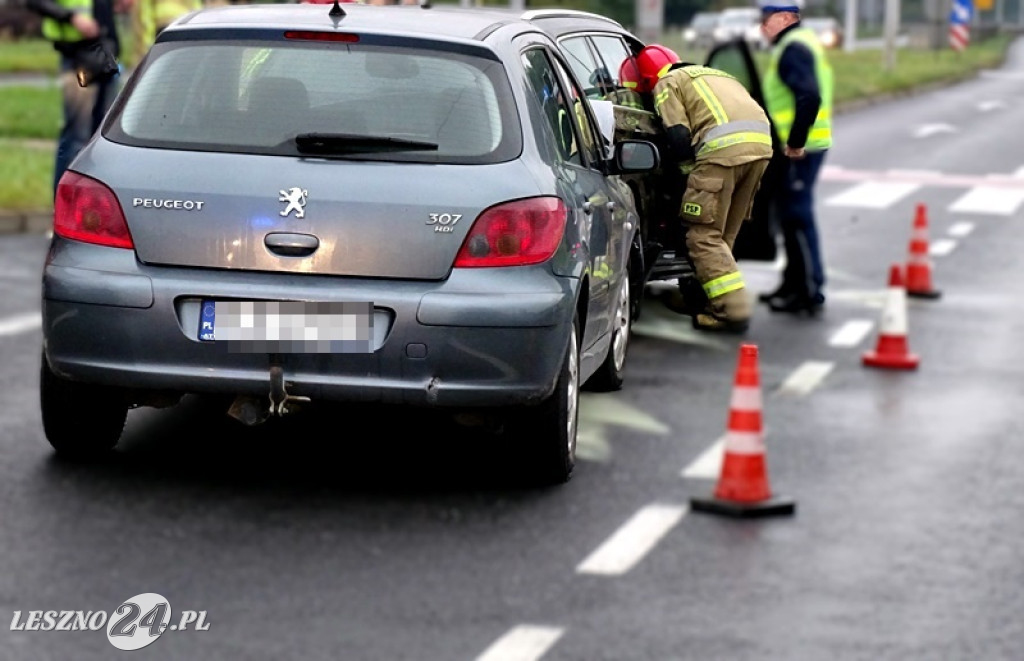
pixel 347 203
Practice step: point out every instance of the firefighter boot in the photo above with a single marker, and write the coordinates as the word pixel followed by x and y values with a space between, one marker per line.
pixel 689 298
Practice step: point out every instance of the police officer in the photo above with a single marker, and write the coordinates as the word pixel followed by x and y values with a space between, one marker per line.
pixel 721 138
pixel 797 88
pixel 75 26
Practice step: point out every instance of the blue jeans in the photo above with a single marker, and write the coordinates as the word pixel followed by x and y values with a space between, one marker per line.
pixel 804 274
pixel 84 109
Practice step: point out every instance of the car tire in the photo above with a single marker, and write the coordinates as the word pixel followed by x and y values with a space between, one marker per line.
pixel 80 421
pixel 549 430
pixel 610 375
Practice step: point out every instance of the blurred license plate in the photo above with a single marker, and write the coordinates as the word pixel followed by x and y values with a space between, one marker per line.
pixel 288 326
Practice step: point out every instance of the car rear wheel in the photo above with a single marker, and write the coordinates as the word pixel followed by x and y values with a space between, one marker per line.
pixel 80 421
pixel 549 430
pixel 609 376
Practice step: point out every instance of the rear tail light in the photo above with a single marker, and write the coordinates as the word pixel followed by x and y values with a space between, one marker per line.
pixel 514 234
pixel 86 210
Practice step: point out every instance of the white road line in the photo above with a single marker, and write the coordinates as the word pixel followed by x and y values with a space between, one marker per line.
pixel 851 333
pixel 631 542
pixel 942 247
pixel 526 642
pixel 805 378
pixel 960 229
pixel 988 200
pixel 20 323
pixel 709 464
pixel 872 195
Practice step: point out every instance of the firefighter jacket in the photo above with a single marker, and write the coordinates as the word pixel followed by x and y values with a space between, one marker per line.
pixel 726 125
pixel 780 100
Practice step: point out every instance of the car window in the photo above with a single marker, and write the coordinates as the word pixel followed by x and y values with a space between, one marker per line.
pixel 241 97
pixel 585 67
pixel 558 112
pixel 581 120
pixel 613 52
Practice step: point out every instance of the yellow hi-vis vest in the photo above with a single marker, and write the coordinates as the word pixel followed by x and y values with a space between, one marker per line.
pixel 151 16
pixel 55 30
pixel 779 100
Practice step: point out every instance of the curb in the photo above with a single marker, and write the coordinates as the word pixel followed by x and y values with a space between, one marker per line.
pixel 26 222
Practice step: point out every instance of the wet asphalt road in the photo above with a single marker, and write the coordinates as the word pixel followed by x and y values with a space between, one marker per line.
pixel 395 536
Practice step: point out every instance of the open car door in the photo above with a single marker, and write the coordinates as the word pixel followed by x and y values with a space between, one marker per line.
pixel 757 239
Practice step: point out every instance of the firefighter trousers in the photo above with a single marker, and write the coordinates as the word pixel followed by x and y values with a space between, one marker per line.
pixel 717 200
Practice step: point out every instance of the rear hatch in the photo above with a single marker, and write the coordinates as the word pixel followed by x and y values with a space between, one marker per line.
pixel 269 213
pixel 366 157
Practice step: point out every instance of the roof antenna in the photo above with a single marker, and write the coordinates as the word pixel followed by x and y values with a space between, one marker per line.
pixel 336 10
pixel 425 4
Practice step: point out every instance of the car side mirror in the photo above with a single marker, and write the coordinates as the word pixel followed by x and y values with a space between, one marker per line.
pixel 635 156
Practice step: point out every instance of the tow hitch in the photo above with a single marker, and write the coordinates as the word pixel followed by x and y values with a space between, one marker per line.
pixel 252 410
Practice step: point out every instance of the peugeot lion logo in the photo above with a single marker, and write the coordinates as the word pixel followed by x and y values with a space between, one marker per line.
pixel 296 199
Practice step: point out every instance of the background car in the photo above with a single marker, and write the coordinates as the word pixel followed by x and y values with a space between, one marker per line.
pixel 700 32
pixel 739 23
pixel 828 29
pixel 300 204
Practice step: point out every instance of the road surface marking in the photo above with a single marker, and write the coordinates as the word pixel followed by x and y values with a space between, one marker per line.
pixel 631 542
pixel 834 173
pixel 960 229
pixel 20 324
pixel 806 377
pixel 988 106
pixel 709 464
pixel 598 411
pixel 928 130
pixel 988 200
pixel 942 247
pixel 872 195
pixel 851 333
pixel 526 642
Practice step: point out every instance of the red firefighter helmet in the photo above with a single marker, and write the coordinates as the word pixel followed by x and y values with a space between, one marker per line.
pixel 641 73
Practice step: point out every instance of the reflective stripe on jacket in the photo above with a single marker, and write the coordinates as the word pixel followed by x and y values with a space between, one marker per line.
pixel 779 98
pixel 726 124
pixel 56 30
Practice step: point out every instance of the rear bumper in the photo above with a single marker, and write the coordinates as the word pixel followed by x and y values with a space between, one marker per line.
pixel 457 343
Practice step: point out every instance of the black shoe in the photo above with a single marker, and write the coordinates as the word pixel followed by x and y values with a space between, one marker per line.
pixel 709 322
pixel 767 296
pixel 795 304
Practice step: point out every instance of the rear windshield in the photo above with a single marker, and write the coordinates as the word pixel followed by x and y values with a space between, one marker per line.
pixel 373 102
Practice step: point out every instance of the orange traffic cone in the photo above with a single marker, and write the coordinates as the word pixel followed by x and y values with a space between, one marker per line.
pixel 743 489
pixel 892 350
pixel 919 266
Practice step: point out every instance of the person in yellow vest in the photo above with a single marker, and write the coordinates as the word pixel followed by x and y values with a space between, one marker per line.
pixel 797 88
pixel 77 27
pixel 721 138
pixel 149 17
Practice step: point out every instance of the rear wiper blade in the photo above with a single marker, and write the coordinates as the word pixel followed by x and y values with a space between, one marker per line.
pixel 352 143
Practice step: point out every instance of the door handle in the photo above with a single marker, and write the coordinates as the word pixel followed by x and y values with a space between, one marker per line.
pixel 588 207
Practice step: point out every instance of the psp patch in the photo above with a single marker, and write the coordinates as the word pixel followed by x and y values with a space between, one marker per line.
pixel 691 209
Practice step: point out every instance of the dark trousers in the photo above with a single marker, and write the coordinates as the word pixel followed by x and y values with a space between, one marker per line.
pixel 83 110
pixel 804 274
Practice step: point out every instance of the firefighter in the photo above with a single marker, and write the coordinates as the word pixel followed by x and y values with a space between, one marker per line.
pixel 721 139
pixel 150 17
